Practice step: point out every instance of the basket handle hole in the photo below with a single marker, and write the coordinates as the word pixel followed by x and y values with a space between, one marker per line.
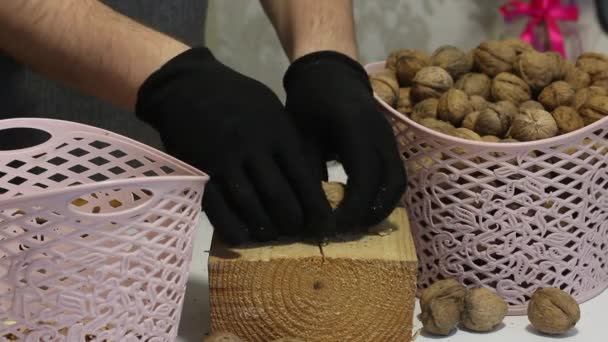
pixel 19 138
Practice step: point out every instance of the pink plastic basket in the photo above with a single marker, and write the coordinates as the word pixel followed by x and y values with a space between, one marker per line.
pixel 96 235
pixel 510 217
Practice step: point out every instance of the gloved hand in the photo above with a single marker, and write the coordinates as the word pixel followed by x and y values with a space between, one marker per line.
pixel 235 129
pixel 331 100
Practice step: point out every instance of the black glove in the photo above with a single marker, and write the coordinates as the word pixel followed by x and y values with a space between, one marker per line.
pixel 235 129
pixel 331 100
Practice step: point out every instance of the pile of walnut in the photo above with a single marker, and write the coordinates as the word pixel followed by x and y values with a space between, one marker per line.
pixel 501 91
pixel 447 303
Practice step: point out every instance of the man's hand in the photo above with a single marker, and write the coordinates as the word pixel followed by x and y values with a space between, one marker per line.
pixel 330 98
pixel 237 130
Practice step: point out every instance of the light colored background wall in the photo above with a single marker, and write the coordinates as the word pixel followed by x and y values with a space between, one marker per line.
pixel 242 37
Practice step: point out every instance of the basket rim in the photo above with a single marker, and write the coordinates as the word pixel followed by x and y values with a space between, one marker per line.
pixel 90 187
pixel 507 146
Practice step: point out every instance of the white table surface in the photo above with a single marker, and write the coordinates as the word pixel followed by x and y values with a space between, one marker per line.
pixel 195 316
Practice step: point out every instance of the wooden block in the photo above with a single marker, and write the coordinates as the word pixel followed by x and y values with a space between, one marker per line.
pixel 357 290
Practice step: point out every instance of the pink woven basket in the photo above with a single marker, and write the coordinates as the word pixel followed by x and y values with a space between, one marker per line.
pixel 510 217
pixel 96 235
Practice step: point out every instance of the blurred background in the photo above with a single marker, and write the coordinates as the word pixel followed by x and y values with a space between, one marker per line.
pixel 241 36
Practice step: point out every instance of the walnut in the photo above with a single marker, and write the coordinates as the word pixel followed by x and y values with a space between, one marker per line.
pixel 567 119
pixel 453 106
pixel 556 94
pixel 453 60
pixel 289 339
pixel 576 77
pixel 493 57
pixel 223 337
pixel 553 311
pixel 600 79
pixel 478 103
pixel 595 108
pixel 474 83
pixel 391 59
pixel 484 310
pixel 530 104
pixel 431 82
pixel 437 125
pixel 582 95
pixel 592 63
pixel 334 191
pixel 536 69
pixel 508 87
pixel 496 119
pixel 384 91
pixel 560 62
pixel 490 138
pixel 533 124
pixel 425 109
pixel 470 120
pixel 408 63
pixel 518 45
pixel 441 306
pixel 404 102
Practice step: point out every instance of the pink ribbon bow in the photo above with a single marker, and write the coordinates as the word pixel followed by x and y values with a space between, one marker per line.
pixel 549 11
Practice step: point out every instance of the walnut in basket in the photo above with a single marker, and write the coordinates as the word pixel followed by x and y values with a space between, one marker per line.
pixel 536 69
pixel 470 120
pixel 508 87
pixel 437 125
pixel 592 62
pixel 600 79
pixel 384 91
pixel 518 45
pixel 534 124
pixel 474 83
pixel 478 103
pixel 576 77
pixel 493 57
pixel 496 119
pixel 582 95
pixel 453 106
pixel 530 104
pixel 556 94
pixel 408 63
pixel 453 60
pixel 594 109
pixel 425 109
pixel 431 82
pixel 567 119
pixel 404 102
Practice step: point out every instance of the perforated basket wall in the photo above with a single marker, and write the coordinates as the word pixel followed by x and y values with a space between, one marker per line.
pixel 511 217
pixel 96 234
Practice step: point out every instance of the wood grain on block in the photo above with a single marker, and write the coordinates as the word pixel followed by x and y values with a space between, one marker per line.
pixel 353 290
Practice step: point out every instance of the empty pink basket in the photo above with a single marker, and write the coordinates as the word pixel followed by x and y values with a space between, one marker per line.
pixel 96 235
pixel 510 217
